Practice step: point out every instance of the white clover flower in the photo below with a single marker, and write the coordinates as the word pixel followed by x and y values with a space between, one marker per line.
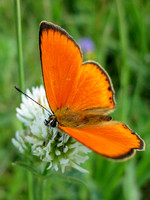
pixel 60 150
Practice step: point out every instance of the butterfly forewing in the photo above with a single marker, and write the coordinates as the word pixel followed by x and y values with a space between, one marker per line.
pixel 69 82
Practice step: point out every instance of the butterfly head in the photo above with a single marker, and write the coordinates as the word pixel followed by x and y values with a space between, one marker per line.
pixel 52 121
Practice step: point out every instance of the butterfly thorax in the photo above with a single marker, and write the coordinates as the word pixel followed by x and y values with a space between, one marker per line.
pixel 68 118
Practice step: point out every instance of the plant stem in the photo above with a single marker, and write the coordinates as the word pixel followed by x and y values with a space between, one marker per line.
pixel 30 185
pixel 19 43
pixel 142 38
pixel 124 77
pixel 130 191
pixel 21 77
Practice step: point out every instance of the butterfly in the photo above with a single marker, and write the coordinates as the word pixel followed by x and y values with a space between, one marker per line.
pixel 81 95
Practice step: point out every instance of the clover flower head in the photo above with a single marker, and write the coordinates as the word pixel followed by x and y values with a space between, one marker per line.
pixel 60 150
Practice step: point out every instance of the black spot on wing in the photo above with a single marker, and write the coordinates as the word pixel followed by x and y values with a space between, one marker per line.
pixel 125 126
pixel 109 88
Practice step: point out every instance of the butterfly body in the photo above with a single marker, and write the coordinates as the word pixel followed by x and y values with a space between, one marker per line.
pixel 81 95
pixel 68 118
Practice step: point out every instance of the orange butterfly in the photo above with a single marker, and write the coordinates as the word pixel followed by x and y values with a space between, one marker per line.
pixel 81 94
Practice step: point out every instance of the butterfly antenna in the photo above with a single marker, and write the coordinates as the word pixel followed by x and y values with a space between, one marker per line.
pixel 31 99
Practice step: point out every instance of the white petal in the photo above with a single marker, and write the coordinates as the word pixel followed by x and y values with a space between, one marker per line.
pixel 65 149
pixel 18 145
pixel 22 119
pixel 50 166
pixel 32 140
pixel 58 153
pixel 78 168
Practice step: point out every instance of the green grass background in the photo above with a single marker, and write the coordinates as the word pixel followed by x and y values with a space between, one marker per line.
pixel 120 30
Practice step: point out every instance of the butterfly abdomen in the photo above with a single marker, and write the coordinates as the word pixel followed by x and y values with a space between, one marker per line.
pixel 73 119
pixel 92 120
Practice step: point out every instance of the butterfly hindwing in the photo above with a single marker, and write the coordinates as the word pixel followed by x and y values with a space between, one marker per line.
pixel 114 140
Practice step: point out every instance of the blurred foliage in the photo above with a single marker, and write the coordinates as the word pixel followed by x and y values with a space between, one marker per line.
pixel 120 31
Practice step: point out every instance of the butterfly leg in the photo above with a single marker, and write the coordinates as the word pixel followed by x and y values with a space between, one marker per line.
pixel 45 141
pixel 46 122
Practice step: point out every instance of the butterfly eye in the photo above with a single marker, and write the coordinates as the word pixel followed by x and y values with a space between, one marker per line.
pixel 54 123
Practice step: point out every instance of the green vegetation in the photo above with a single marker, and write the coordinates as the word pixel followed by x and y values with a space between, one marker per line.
pixel 120 31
